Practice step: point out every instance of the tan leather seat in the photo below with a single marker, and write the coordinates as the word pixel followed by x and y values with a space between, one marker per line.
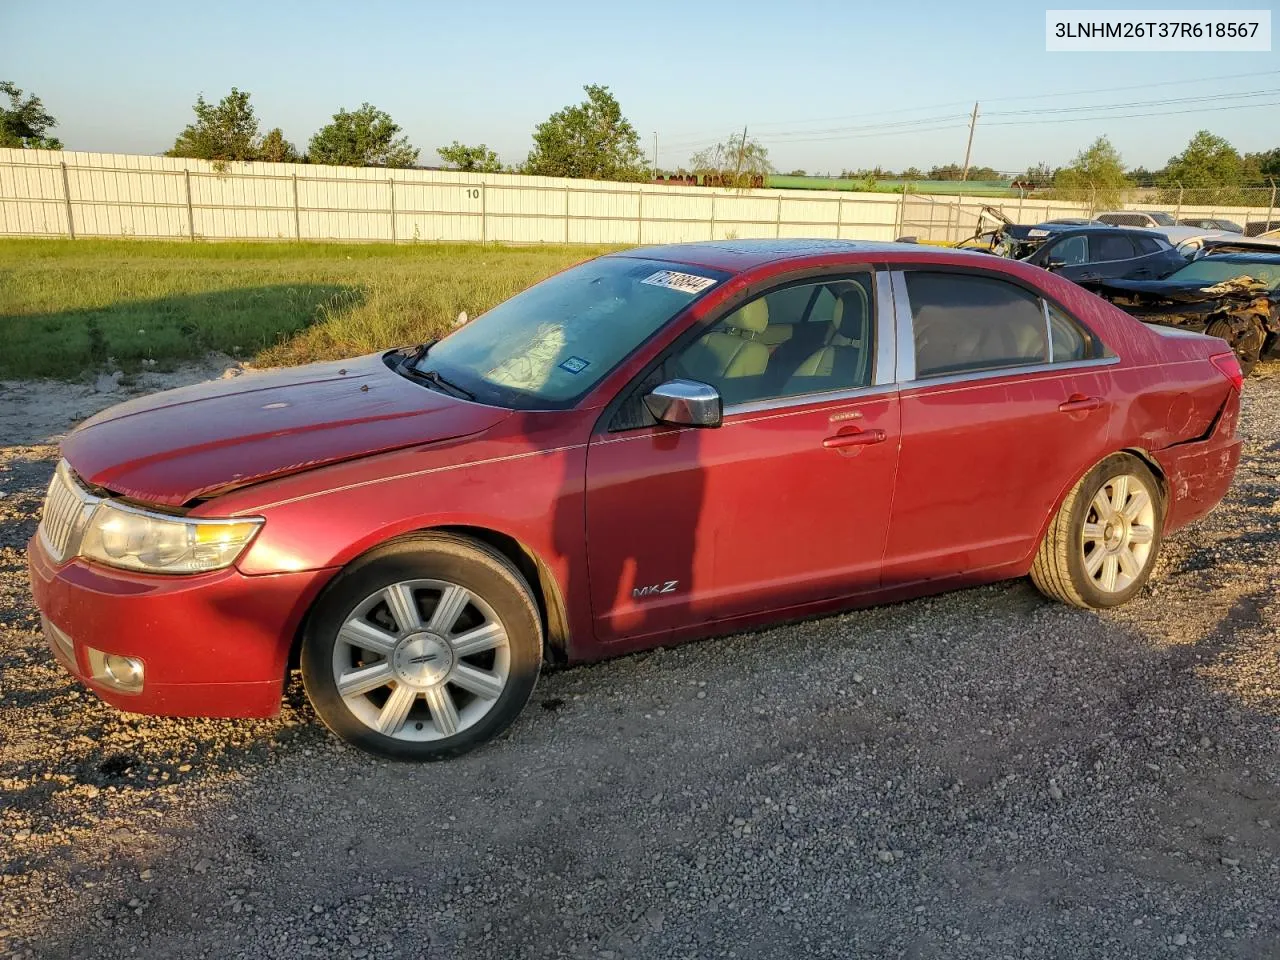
pixel 732 352
pixel 845 360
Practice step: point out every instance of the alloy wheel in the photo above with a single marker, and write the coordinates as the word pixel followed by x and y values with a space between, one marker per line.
pixel 421 660
pixel 1118 533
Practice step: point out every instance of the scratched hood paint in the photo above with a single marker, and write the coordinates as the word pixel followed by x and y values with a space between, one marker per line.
pixel 180 445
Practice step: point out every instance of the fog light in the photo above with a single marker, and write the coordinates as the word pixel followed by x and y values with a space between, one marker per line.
pixel 114 670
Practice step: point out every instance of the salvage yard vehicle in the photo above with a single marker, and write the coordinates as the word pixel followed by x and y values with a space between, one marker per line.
pixel 1190 241
pixel 1101 252
pixel 1212 223
pixel 1235 296
pixel 618 458
pixel 1137 218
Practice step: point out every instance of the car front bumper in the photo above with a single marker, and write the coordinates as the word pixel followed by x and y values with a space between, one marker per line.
pixel 211 645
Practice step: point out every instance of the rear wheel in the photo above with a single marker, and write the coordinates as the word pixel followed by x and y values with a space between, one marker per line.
pixel 1102 544
pixel 423 649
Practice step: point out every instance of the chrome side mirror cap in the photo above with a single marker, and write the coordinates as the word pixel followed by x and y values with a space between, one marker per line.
pixel 685 403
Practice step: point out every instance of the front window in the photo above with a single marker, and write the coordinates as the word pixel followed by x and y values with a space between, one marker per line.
pixel 1164 219
pixel 1209 271
pixel 551 344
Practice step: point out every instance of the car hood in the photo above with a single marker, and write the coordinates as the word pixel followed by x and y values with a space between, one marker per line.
pixel 181 445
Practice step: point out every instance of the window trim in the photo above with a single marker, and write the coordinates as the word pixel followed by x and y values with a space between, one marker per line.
pixel 905 332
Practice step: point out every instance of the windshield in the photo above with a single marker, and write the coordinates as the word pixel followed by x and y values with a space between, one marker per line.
pixel 1210 271
pixel 1164 219
pixel 549 345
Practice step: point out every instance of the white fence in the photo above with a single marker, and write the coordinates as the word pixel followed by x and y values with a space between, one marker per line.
pixel 47 193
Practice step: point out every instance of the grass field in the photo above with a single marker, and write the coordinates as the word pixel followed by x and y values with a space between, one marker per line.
pixel 70 306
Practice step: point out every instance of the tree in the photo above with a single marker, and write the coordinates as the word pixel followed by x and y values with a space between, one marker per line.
pixel 227 131
pixel 276 149
pixel 1095 176
pixel 362 138
pixel 1267 163
pixel 471 159
pixel 737 163
pixel 25 123
pixel 1207 161
pixel 797 173
pixel 590 140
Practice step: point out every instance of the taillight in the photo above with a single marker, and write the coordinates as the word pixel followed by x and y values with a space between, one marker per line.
pixel 1229 367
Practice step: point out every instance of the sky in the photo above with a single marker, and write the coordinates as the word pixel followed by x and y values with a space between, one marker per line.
pixel 823 85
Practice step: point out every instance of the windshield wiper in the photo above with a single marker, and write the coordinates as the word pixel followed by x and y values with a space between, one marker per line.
pixel 432 376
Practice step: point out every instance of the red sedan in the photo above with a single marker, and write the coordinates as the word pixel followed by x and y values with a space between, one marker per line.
pixel 649 447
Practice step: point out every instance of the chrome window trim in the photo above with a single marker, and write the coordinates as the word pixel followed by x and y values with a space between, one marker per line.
pixel 885 371
pixel 904 329
pixel 1025 369
pixel 1048 330
pixel 808 399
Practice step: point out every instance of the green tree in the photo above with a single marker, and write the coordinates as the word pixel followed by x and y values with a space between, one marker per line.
pixel 1207 161
pixel 276 149
pixel 25 123
pixel 471 159
pixel 362 138
pixel 222 132
pixel 590 140
pixel 1096 176
pixel 737 163
pixel 1267 163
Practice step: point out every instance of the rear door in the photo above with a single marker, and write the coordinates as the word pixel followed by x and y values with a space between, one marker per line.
pixel 1004 400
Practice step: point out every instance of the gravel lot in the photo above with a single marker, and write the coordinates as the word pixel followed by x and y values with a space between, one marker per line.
pixel 984 774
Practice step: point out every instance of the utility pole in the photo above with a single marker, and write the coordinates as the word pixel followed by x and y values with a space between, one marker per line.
pixel 969 146
pixel 655 154
pixel 742 151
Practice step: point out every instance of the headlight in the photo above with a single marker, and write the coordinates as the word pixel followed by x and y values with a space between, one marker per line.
pixel 155 543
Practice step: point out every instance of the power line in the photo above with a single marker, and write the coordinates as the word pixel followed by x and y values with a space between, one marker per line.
pixel 1038 96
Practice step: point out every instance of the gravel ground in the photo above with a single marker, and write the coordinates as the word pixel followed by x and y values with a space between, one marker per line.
pixel 979 775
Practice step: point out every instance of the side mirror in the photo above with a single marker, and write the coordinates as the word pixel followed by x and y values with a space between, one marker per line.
pixel 685 403
pixel 1051 265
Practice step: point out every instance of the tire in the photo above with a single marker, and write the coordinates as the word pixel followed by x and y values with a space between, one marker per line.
pixel 1094 560
pixel 423 649
pixel 1247 344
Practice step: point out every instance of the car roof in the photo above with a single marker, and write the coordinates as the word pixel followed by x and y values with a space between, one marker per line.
pixel 737 256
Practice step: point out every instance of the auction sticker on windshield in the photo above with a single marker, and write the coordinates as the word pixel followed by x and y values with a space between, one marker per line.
pixel 684 282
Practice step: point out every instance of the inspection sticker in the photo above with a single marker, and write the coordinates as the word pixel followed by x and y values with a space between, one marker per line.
pixel 684 282
pixel 575 364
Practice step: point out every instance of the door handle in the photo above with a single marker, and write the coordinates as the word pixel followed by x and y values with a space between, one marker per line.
pixel 861 438
pixel 1078 404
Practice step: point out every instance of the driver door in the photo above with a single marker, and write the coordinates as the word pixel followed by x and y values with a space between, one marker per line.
pixel 782 507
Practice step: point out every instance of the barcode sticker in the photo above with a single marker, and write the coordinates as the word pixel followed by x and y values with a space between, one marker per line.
pixel 684 282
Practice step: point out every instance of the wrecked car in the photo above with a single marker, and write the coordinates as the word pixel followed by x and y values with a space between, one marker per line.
pixel 1235 296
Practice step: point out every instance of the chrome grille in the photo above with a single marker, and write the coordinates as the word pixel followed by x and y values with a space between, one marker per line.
pixel 67 506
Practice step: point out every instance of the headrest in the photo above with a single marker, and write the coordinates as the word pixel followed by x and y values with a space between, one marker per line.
pixel 851 306
pixel 752 317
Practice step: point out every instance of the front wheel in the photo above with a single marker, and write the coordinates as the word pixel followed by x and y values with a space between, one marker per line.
pixel 1101 546
pixel 423 649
